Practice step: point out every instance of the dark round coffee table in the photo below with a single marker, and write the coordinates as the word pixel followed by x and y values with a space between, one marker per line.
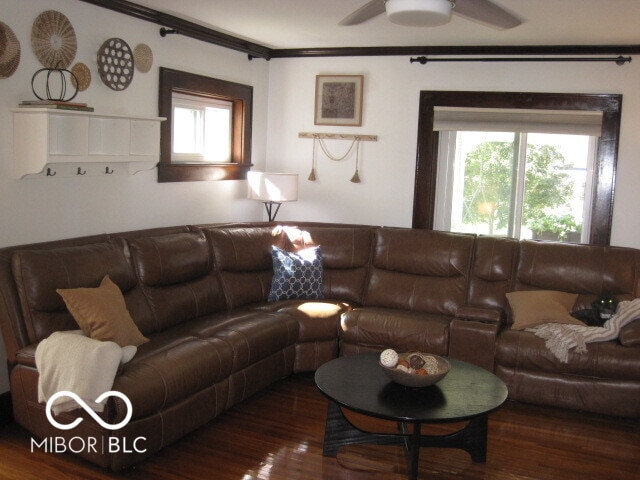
pixel 359 384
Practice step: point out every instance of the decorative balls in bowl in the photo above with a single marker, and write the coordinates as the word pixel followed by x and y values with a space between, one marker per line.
pixel 413 369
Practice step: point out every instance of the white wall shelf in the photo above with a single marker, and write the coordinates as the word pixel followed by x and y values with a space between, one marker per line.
pixel 53 142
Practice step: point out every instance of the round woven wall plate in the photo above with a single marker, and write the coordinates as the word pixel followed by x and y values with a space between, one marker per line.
pixel 143 57
pixel 9 51
pixel 3 41
pixel 82 75
pixel 115 64
pixel 53 40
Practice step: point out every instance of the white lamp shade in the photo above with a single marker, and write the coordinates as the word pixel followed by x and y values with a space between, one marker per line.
pixel 273 187
pixel 419 13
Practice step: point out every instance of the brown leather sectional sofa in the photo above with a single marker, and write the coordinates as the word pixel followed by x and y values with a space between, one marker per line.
pixel 199 293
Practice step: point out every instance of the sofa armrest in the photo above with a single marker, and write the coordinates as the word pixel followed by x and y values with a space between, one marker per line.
pixel 473 334
pixel 27 356
pixel 630 334
pixel 495 316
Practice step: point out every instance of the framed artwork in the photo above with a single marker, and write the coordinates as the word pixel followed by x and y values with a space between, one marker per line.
pixel 339 100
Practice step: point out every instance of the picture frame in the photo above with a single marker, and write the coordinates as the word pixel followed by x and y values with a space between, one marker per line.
pixel 339 100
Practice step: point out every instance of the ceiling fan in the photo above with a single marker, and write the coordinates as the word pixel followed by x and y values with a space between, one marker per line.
pixel 430 13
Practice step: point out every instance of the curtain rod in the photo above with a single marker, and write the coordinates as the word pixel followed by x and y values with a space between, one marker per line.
pixel 620 60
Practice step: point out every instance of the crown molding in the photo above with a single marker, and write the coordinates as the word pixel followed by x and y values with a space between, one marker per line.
pixel 459 50
pixel 184 27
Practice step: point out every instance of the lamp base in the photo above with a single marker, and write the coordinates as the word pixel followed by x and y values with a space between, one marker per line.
pixel 270 213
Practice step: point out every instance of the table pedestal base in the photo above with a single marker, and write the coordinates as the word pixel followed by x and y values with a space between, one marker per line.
pixel 339 432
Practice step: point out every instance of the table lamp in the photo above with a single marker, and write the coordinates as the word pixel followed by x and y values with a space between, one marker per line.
pixel 272 189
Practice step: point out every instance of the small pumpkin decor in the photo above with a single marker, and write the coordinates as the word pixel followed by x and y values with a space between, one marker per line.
pixel 55 77
pixel 53 39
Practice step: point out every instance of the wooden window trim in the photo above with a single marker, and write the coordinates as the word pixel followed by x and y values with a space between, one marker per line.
pixel 242 98
pixel 606 157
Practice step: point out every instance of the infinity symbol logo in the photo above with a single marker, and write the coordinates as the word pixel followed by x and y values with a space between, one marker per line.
pixel 87 408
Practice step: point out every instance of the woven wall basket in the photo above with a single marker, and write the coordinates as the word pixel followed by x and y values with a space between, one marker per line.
pixel 143 57
pixel 115 64
pixel 9 51
pixel 53 40
pixel 82 78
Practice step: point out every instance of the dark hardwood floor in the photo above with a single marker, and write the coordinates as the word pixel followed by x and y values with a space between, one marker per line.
pixel 278 433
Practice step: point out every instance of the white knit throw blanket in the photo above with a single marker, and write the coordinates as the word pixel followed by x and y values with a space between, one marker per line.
pixel 68 360
pixel 560 338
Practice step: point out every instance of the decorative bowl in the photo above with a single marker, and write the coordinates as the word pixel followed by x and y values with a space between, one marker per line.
pixel 414 379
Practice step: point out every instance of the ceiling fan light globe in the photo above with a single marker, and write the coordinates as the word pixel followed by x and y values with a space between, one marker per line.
pixel 419 13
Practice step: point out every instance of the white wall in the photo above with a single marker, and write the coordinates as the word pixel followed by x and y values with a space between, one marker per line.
pixel 391 96
pixel 34 210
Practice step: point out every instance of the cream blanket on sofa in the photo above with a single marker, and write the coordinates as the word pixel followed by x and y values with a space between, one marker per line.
pixel 73 362
pixel 560 338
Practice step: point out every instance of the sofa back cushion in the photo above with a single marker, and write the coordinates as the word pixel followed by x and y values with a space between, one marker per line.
pixel 588 270
pixel 243 259
pixel 492 271
pixel 346 252
pixel 420 270
pixel 39 272
pixel 177 277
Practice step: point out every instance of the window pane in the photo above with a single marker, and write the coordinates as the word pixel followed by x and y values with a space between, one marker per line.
pixel 201 129
pixel 556 187
pixel 218 134
pixel 483 178
pixel 522 185
pixel 187 130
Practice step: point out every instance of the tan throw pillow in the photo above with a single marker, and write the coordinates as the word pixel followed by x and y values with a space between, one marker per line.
pixel 535 307
pixel 102 314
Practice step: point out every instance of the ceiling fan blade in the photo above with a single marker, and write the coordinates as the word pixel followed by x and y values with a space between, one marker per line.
pixel 364 13
pixel 486 12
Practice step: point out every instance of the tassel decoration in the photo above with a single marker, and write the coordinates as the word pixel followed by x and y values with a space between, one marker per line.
pixel 312 175
pixel 356 143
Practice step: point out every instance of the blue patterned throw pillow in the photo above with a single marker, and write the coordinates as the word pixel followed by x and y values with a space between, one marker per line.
pixel 296 275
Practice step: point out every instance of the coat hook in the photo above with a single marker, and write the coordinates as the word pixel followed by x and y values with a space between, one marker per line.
pixel 106 170
pixel 80 172
pixel 50 173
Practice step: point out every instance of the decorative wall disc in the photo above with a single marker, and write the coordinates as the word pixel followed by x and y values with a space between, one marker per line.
pixel 53 40
pixel 82 75
pixel 3 41
pixel 115 64
pixel 9 51
pixel 143 57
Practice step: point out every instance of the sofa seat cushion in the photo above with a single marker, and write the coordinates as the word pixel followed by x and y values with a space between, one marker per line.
pixel 317 319
pixel 404 331
pixel 527 352
pixel 167 371
pixel 252 335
